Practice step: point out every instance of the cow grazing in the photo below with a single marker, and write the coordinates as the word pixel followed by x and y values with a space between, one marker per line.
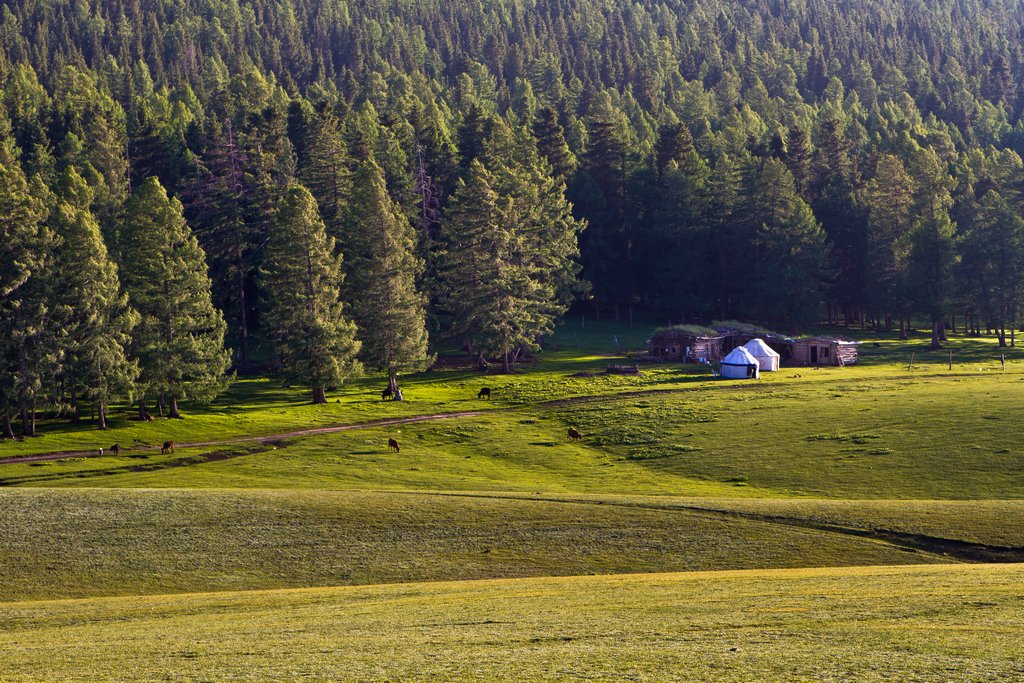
pixel 115 449
pixel 168 447
pixel 484 393
pixel 387 394
pixel 574 435
pixel 393 446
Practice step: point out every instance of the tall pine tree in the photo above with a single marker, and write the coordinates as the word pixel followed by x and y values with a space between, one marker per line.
pixel 316 342
pixel 179 341
pixel 381 269
pixel 95 316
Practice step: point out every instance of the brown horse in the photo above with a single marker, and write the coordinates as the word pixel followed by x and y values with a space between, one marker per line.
pixel 115 449
pixel 168 447
pixel 574 435
pixel 485 393
pixel 393 446
pixel 387 394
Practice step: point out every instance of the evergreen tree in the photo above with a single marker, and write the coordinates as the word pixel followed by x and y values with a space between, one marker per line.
pixel 788 246
pixel 179 341
pixel 552 146
pixel 485 284
pixel 327 174
pixel 683 261
pixel 316 342
pixel 888 199
pixel 94 313
pixel 231 204
pixel 381 270
pixel 29 352
pixel 997 243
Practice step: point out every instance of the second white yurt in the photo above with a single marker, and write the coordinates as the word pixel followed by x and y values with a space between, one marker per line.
pixel 767 357
pixel 739 364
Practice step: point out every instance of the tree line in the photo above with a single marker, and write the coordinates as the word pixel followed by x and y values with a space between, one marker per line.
pixel 350 181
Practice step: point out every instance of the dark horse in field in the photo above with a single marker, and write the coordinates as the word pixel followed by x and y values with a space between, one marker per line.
pixel 574 435
pixel 393 446
pixel 484 393
pixel 387 394
pixel 168 447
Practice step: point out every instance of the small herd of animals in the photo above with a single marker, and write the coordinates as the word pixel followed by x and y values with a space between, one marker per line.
pixel 386 395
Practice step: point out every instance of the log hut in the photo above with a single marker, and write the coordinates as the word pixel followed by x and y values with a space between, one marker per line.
pixel 685 343
pixel 829 351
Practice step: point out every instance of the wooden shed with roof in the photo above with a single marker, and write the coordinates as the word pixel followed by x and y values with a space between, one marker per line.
pixel 819 351
pixel 687 343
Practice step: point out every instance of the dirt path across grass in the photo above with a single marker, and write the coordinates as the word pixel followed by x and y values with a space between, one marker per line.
pixel 267 438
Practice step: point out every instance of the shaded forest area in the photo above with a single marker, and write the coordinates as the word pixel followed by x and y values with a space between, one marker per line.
pixel 361 178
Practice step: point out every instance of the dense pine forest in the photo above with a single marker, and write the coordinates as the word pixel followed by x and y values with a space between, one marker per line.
pixel 328 186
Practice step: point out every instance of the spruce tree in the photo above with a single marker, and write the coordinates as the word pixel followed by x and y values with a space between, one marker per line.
pixel 327 174
pixel 95 316
pixel 551 144
pixel 486 285
pixel 28 350
pixel 316 342
pixel 888 198
pixel 230 203
pixel 179 341
pixel 381 268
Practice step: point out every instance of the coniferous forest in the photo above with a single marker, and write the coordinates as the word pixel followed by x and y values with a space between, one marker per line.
pixel 331 187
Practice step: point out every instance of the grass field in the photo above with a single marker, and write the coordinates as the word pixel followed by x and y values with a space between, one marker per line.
pixel 866 624
pixel 798 477
pixel 103 542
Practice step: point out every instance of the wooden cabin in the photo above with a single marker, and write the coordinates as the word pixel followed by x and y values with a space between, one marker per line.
pixel 687 346
pixel 819 351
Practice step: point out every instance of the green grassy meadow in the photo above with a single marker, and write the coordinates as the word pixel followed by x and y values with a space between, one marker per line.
pixel 328 550
pixel 867 624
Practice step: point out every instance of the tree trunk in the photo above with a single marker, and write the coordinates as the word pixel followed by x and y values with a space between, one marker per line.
pixel 142 409
pixel 74 403
pixel 8 430
pixel 174 409
pixel 392 381
pixel 507 363
pixel 319 395
pixel 903 329
pixel 936 334
pixel 243 314
pixel 102 415
pixel 28 423
pixel 481 362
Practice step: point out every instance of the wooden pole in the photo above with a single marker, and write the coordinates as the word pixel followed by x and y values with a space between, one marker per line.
pixel 910 366
pixel 1002 361
pixel 951 359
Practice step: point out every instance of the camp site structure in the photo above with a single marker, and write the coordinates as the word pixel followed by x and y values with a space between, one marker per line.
pixel 690 344
pixel 820 351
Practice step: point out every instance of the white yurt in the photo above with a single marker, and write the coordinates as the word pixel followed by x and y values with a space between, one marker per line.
pixel 739 364
pixel 767 357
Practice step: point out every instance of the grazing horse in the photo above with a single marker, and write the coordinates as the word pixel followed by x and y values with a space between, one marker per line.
pixel 115 449
pixel 485 393
pixel 168 447
pixel 393 446
pixel 574 435
pixel 387 394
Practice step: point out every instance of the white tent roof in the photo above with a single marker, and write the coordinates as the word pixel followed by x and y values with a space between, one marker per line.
pixel 757 347
pixel 740 356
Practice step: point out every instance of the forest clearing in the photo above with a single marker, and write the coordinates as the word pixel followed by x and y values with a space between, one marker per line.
pixel 676 471
pixel 579 340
